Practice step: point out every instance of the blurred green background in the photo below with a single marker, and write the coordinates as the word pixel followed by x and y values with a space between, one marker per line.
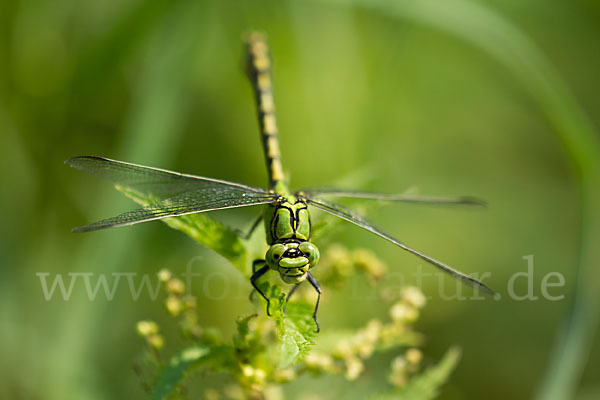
pixel 376 89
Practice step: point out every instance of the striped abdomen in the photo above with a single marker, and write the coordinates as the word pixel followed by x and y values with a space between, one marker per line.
pixel 259 69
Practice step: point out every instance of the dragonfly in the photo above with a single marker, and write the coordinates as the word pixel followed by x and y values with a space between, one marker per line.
pixel 286 213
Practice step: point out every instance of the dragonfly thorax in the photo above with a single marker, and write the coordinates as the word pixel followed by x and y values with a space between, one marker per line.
pixel 288 229
pixel 286 219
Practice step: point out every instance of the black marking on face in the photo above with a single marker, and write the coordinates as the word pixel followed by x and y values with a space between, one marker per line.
pixel 292 253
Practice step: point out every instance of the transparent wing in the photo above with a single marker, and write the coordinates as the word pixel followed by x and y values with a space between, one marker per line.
pixel 177 194
pixel 349 215
pixel 408 198
pixel 185 203
pixel 154 182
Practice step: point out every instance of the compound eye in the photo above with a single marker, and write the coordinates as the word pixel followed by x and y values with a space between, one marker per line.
pixel 311 251
pixel 274 254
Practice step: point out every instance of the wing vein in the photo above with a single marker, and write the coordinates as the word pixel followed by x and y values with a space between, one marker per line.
pixel 350 216
pixel 407 198
pixel 170 208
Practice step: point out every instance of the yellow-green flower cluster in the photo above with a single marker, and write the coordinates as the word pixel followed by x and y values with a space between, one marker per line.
pixel 361 345
pixel 251 378
pixel 178 303
pixel 335 265
pixel 403 313
pixel 338 264
pixel 284 375
pixel 403 366
pixel 406 308
pixel 318 362
pixel 350 352
pixel 149 331
pixel 365 260
pixel 249 357
pixel 175 289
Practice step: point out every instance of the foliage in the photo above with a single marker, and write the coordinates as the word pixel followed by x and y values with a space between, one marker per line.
pixel 424 386
pixel 179 365
pixel 266 352
pixel 162 84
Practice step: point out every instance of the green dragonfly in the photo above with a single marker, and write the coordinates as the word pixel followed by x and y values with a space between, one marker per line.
pixel 286 213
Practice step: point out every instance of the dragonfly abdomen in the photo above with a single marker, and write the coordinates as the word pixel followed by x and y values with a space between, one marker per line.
pixel 259 69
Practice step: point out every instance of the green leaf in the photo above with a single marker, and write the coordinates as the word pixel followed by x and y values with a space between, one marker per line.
pixel 203 229
pixel 215 358
pixel 426 386
pixel 177 368
pixel 295 329
pixel 247 341
pixel 296 332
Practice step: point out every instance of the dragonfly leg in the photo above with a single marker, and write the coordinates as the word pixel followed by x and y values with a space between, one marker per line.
pixel 255 224
pixel 315 284
pixel 257 274
pixel 288 297
pixel 254 264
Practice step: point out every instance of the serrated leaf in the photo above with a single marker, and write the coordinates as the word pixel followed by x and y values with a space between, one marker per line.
pixel 296 332
pixel 426 386
pixel 204 230
pixel 247 341
pixel 295 329
pixel 215 358
pixel 177 368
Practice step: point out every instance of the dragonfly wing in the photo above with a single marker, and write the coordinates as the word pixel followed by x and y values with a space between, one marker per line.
pixel 174 193
pixel 185 203
pixel 154 182
pixel 351 216
pixel 407 198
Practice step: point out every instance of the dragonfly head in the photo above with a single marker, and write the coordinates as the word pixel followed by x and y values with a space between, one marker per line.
pixel 292 259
